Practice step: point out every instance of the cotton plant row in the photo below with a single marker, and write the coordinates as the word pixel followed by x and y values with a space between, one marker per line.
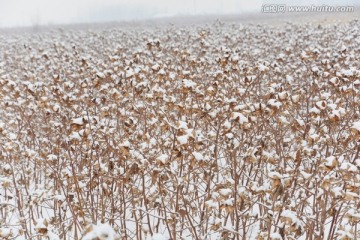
pixel 213 131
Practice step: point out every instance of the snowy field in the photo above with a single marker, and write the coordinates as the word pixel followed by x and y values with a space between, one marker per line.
pixel 218 129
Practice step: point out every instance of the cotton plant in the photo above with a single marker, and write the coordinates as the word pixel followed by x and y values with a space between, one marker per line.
pixel 207 131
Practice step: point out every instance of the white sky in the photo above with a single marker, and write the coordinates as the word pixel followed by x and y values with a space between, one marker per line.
pixel 32 12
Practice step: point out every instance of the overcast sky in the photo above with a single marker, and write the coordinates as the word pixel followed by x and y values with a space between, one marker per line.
pixel 40 12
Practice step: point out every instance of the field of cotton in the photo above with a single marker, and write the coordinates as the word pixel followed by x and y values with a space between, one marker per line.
pixel 216 130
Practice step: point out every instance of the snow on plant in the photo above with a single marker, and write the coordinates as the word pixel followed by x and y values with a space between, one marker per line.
pixel 213 131
pixel 99 232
